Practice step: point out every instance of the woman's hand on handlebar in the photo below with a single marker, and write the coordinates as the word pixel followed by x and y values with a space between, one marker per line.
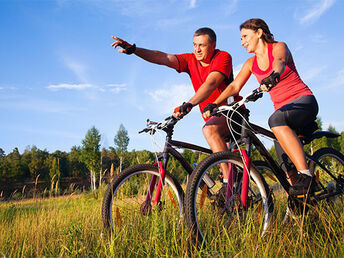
pixel 269 82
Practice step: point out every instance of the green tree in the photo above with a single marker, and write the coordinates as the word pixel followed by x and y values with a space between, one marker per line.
pixel 145 157
pixel 91 153
pixel 76 167
pixel 15 166
pixel 62 158
pixel 2 153
pixel 333 142
pixel 37 165
pixel 121 143
pixel 4 166
pixel 54 171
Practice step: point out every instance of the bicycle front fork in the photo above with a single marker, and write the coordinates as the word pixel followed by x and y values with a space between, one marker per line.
pixel 162 174
pixel 245 179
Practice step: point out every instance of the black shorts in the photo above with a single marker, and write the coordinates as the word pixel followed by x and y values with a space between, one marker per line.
pixel 297 114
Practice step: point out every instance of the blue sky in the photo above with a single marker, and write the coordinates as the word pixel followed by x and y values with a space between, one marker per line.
pixel 59 75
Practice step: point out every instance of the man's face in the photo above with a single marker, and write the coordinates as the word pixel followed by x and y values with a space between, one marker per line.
pixel 203 48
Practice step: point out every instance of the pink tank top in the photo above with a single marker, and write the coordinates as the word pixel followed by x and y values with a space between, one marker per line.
pixel 289 88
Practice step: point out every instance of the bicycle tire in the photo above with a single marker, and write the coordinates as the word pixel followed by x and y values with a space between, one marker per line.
pixel 206 231
pixel 333 161
pixel 124 208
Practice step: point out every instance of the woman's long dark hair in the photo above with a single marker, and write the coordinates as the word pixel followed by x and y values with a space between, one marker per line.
pixel 255 24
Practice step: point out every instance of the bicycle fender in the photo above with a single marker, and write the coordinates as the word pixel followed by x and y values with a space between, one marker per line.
pixel 320 134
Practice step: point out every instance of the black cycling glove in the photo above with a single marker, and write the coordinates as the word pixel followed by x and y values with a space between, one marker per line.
pixel 272 80
pixel 185 108
pixel 210 107
pixel 129 48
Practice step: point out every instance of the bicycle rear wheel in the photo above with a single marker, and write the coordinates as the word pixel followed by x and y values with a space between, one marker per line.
pixel 126 210
pixel 213 219
pixel 329 173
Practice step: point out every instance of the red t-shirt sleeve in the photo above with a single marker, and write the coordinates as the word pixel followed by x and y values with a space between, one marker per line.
pixel 222 63
pixel 183 60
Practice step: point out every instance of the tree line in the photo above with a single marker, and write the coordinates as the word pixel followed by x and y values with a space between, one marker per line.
pixel 91 161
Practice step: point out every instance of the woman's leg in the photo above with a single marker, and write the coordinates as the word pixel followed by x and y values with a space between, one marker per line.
pixel 295 116
pixel 291 145
pixel 293 148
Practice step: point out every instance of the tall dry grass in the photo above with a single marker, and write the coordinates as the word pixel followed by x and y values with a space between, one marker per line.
pixel 72 226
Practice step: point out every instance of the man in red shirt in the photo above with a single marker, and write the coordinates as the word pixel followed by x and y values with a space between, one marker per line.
pixel 210 71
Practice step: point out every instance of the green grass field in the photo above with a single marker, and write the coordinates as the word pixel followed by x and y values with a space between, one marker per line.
pixel 72 226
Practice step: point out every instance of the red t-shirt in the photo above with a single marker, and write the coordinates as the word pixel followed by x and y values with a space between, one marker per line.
pixel 221 62
pixel 290 86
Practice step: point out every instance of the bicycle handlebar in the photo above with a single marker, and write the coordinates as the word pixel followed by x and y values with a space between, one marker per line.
pixel 153 126
pixel 251 97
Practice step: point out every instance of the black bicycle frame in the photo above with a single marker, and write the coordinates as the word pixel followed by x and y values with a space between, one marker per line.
pixel 169 148
pixel 276 169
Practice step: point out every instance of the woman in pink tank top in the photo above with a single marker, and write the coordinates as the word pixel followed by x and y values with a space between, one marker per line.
pixel 294 103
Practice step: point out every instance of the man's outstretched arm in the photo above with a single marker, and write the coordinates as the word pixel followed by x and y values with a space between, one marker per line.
pixel 152 56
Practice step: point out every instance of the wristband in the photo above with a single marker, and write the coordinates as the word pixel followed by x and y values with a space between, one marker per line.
pixel 130 50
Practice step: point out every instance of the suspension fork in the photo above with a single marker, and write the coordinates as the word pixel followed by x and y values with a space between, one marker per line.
pixel 161 163
pixel 161 183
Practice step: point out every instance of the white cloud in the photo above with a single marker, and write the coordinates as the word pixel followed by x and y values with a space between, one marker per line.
pixel 336 82
pixel 173 22
pixel 110 87
pixel 316 11
pixel 339 80
pixel 192 4
pixel 231 7
pixel 24 104
pixel 50 132
pixel 318 38
pixel 8 88
pixel 67 86
pixel 313 73
pixel 79 69
pixel 116 88
pixel 170 97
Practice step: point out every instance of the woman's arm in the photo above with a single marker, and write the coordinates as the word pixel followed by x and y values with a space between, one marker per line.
pixel 234 87
pixel 281 56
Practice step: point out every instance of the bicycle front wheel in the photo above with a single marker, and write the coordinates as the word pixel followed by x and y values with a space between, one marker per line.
pixel 129 204
pixel 214 217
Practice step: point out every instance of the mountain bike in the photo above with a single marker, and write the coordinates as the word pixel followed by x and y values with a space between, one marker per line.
pixel 248 200
pixel 140 192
